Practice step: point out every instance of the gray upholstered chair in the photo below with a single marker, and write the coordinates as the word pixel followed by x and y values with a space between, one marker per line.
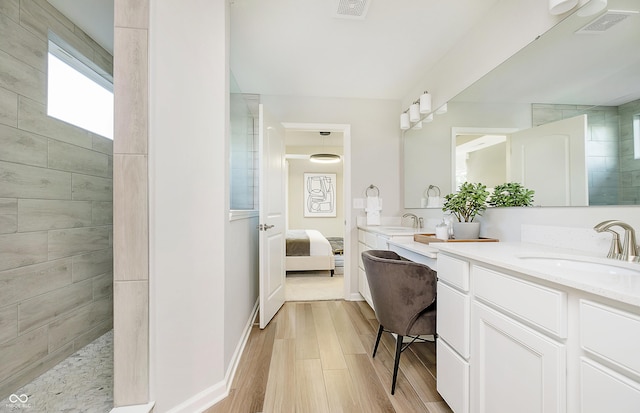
pixel 404 297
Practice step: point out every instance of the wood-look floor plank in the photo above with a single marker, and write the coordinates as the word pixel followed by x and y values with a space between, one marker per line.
pixel 249 384
pixel 328 343
pixel 310 392
pixel 276 375
pixel 371 395
pixel 347 335
pixel 306 337
pixel 358 320
pixel 341 393
pixel 279 396
pixel 286 321
pixel 406 398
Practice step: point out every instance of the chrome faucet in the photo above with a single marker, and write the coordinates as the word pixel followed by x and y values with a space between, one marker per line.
pixel 414 217
pixel 629 251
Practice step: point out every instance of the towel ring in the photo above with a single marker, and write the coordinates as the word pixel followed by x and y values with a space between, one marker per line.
pixel 372 187
pixel 427 193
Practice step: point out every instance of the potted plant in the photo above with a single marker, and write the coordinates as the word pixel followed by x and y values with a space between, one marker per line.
pixel 466 204
pixel 511 194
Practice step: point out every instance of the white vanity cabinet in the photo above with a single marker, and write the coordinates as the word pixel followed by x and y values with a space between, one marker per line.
pixel 610 364
pixel 453 322
pixel 511 341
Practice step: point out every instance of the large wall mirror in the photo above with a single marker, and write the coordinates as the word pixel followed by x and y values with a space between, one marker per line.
pixel 562 116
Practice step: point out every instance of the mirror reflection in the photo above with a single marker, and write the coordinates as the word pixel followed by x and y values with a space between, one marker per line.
pixel 585 71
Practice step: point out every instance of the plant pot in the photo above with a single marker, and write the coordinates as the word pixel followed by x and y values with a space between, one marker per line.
pixel 466 230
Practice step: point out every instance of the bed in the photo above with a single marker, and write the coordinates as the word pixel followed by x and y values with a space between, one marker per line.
pixel 308 250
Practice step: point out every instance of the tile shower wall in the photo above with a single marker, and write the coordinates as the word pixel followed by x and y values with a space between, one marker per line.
pixel 56 260
pixel 629 166
pixel 602 149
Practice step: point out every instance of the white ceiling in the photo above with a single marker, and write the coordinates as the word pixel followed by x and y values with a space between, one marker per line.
pixel 299 47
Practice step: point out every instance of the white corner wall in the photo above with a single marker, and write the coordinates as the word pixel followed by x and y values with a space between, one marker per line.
pixel 188 97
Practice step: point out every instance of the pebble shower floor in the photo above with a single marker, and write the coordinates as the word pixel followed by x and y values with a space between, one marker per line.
pixel 83 382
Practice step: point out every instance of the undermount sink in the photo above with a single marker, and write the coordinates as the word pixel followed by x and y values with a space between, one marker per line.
pixel 586 264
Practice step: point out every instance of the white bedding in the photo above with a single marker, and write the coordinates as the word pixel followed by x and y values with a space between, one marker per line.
pixel 318 244
pixel 320 255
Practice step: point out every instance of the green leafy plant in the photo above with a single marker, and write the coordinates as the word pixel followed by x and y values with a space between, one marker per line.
pixel 469 201
pixel 511 194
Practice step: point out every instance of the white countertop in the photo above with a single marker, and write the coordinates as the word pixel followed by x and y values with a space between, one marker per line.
pixel 513 256
pixel 392 230
pixel 419 248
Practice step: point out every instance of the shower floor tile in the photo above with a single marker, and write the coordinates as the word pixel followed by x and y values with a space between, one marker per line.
pixel 83 382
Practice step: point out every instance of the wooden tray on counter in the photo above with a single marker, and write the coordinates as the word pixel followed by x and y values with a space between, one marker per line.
pixel 429 238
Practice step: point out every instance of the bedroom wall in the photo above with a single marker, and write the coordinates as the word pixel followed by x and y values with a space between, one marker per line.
pixel 328 226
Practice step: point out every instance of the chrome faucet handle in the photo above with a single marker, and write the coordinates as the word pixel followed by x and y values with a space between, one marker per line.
pixel 616 249
pixel 630 250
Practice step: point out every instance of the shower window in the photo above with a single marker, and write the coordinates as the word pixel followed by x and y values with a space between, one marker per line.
pixel 77 93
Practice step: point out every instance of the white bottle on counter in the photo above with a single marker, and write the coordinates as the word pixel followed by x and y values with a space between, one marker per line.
pixel 442 230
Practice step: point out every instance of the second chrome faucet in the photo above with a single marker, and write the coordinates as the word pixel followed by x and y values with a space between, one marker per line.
pixel 629 250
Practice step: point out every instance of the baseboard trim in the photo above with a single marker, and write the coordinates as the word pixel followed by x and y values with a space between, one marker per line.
pixel 355 297
pixel 214 394
pixel 137 408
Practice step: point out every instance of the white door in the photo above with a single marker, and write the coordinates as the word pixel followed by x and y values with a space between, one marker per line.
pixel 272 217
pixel 515 369
pixel 550 159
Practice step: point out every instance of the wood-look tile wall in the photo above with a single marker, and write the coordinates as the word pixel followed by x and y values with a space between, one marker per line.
pixel 56 259
pixel 130 208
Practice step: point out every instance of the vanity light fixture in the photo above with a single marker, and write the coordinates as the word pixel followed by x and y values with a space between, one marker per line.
pixel 428 118
pixel 561 6
pixel 414 112
pixel 324 157
pixel 417 126
pixel 404 121
pixel 425 102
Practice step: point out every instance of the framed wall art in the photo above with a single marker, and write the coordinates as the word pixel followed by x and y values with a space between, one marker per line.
pixel 319 195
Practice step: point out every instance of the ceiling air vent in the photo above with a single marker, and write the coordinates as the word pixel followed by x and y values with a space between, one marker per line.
pixel 605 21
pixel 352 9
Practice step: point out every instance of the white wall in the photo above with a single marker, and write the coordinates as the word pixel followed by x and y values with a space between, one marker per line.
pixel 188 167
pixel 507 27
pixel 374 147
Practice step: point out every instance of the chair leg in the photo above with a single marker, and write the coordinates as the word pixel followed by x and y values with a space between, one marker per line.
pixel 396 363
pixel 375 348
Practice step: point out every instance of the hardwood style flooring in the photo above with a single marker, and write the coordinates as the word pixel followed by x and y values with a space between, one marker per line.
pixel 316 357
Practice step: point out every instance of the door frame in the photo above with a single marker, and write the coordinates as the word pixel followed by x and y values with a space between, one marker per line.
pixel 345 129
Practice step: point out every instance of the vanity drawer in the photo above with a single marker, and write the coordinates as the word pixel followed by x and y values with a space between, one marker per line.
pixel 361 248
pixel 453 378
pixel 611 333
pixel 371 240
pixel 453 318
pixel 453 271
pixel 543 307
pixel 604 390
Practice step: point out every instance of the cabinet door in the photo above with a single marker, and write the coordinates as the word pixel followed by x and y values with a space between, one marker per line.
pixel 453 378
pixel 603 390
pixel 514 368
pixel 453 318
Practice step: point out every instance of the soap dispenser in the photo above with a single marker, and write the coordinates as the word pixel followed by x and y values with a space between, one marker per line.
pixel 442 230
